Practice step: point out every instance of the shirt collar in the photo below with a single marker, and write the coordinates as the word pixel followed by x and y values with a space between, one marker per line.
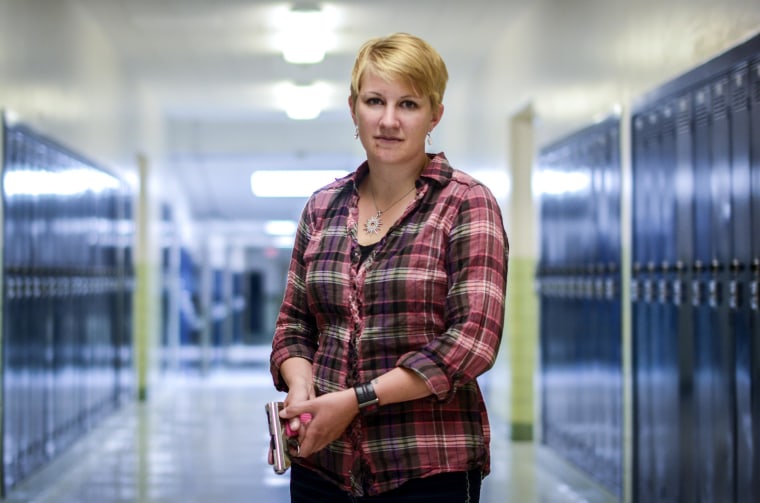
pixel 438 170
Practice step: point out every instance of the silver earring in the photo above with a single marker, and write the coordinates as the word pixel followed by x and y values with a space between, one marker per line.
pixel 429 139
pixel 356 132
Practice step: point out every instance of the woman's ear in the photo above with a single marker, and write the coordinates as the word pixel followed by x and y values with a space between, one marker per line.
pixel 437 115
pixel 351 106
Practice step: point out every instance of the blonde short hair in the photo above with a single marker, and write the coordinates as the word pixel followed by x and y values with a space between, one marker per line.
pixel 402 56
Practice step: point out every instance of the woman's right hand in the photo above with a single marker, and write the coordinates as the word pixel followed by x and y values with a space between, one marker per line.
pixel 297 374
pixel 299 391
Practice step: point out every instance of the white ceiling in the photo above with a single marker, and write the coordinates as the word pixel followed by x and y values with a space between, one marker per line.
pixel 210 68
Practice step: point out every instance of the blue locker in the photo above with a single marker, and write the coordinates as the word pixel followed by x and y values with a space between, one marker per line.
pixel 656 345
pixel 681 281
pixel 722 378
pixel 738 278
pixel 60 364
pixel 580 304
pixel 708 362
pixel 753 287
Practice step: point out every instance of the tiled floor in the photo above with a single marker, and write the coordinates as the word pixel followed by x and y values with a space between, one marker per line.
pixel 204 441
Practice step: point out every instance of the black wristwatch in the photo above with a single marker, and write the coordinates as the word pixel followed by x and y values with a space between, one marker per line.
pixel 365 395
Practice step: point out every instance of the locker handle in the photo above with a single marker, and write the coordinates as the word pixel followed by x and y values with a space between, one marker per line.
pixel 756 266
pixel 715 293
pixel 677 290
pixel 716 266
pixel 698 266
pixel 663 291
pixel 696 292
pixel 736 266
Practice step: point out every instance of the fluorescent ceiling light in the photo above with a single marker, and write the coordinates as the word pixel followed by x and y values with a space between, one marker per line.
pixel 280 228
pixel 67 182
pixel 291 183
pixel 555 182
pixel 305 34
pixel 283 241
pixel 303 102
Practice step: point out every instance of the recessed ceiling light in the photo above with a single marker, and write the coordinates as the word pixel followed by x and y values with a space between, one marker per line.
pixel 291 183
pixel 305 33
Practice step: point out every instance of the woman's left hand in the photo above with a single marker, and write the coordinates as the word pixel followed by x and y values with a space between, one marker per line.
pixel 330 416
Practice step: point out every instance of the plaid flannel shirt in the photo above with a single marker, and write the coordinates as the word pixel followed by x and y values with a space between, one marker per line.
pixel 429 297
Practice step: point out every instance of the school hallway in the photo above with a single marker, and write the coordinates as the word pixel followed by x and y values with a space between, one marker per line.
pixel 204 440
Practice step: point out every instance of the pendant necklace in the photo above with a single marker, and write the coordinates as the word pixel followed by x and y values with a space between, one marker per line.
pixel 375 222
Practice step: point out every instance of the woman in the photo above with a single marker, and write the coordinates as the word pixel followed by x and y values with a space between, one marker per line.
pixel 394 303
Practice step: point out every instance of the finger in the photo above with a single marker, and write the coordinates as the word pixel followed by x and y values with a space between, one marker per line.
pixel 294 426
pixel 290 411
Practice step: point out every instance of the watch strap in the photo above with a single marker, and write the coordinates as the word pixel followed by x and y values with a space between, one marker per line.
pixel 365 395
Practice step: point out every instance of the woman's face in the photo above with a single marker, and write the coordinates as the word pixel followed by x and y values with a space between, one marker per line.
pixel 393 121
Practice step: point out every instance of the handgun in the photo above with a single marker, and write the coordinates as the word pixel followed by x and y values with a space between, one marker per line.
pixel 278 437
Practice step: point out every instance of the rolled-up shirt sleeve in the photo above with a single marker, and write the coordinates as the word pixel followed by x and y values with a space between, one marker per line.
pixel 476 263
pixel 295 330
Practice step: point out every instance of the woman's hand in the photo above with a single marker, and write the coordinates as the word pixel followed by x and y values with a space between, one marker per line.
pixel 330 416
pixel 298 375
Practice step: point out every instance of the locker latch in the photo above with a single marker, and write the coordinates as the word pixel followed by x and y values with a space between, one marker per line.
pixel 663 291
pixel 677 292
pixel 696 292
pixel 714 292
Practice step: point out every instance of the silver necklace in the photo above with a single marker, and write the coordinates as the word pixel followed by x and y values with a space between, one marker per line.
pixel 375 222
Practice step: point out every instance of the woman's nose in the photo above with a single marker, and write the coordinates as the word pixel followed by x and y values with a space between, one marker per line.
pixel 389 117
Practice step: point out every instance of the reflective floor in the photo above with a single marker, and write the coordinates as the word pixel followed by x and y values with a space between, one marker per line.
pixel 204 441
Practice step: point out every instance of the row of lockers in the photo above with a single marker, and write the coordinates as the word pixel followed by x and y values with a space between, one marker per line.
pixel 66 328
pixel 579 287
pixel 695 146
pixel 696 259
pixel 225 313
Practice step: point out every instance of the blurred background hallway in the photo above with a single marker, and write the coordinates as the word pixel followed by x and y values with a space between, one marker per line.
pixel 156 156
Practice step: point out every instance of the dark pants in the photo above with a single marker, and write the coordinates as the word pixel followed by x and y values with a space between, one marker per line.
pixel 456 487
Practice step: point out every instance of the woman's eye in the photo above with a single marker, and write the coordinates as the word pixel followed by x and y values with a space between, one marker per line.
pixel 408 104
pixel 374 101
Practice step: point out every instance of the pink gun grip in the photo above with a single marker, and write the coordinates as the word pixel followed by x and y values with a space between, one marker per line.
pixel 305 418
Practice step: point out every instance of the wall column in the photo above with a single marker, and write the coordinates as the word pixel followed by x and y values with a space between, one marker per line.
pixel 143 311
pixel 522 301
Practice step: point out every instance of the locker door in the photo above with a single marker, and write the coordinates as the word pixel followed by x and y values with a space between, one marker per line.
pixel 722 356
pixel 707 407
pixel 684 217
pixel 614 307
pixel 754 286
pixel 739 272
pixel 12 306
pixel 665 338
pixel 640 295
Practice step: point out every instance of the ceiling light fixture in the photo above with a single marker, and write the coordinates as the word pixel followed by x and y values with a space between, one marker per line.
pixel 280 228
pixel 305 34
pixel 291 183
pixel 303 102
